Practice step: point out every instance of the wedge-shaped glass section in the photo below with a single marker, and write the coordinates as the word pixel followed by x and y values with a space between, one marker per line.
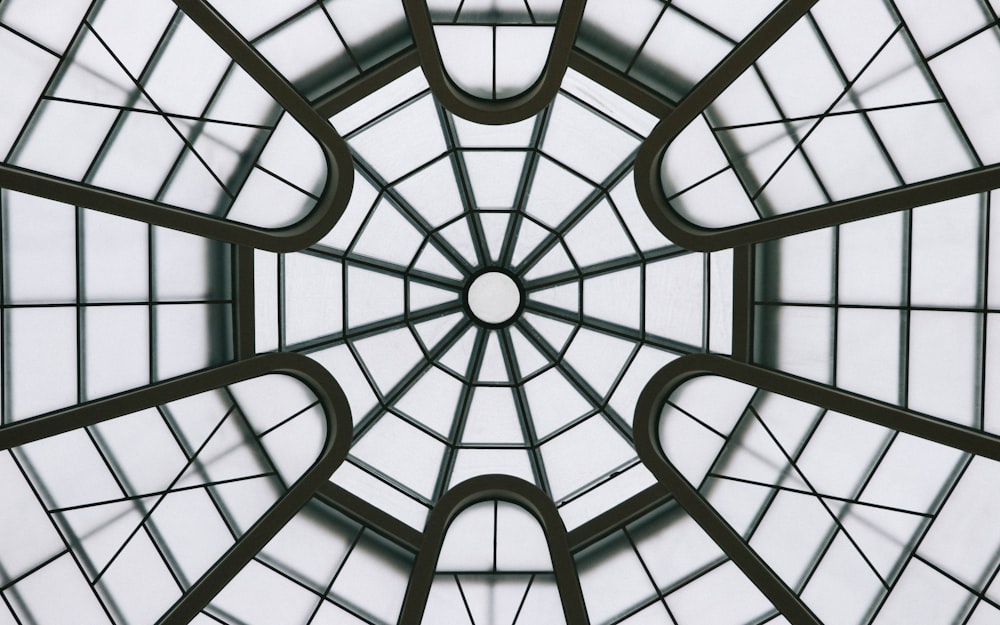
pixel 861 522
pixel 900 308
pixel 126 516
pixel 320 568
pixel 95 304
pixel 663 568
pixel 494 567
pixel 831 113
pixel 136 99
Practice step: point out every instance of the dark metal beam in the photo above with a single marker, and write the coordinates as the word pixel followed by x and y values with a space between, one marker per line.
pixel 371 516
pixel 647 422
pixel 744 275
pixel 618 517
pixel 632 90
pixel 941 189
pixel 504 488
pixel 371 81
pixel 338 441
pixel 669 378
pixel 647 162
pixel 244 335
pixel 501 111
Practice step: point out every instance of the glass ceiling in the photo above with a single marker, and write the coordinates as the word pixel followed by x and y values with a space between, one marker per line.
pixel 499 311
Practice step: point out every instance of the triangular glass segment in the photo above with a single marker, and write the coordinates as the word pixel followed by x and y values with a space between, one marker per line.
pixel 459 236
pixel 494 366
pixel 494 231
pixel 565 297
pixel 555 333
pixel 425 296
pixel 115 87
pixel 529 359
pixel 433 400
pixel 555 262
pixel 459 355
pixel 432 332
pixel 432 261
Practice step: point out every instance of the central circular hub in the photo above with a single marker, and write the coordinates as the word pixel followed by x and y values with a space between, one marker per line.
pixel 493 297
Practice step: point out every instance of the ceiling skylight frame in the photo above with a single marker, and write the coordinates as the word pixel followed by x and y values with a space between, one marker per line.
pixel 741 238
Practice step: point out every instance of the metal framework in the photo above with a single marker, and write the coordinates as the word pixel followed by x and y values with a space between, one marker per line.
pixel 445 501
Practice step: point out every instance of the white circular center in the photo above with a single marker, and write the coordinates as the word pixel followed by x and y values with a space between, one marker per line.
pixel 494 297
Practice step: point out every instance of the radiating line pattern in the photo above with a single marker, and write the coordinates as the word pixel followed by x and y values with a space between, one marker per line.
pixel 171 177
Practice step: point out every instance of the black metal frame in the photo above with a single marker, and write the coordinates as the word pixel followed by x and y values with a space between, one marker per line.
pixel 341 165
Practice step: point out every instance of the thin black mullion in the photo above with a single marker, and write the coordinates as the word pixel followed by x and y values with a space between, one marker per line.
pixel 600 192
pixel 606 267
pixel 985 295
pixel 56 75
pixel 124 485
pixel 848 500
pixel 904 564
pixel 524 188
pixel 645 38
pixel 387 400
pixel 598 403
pixel 385 267
pixel 465 601
pixel 981 594
pixel 162 113
pixel 66 543
pixel 157 493
pixel 649 574
pixel 464 180
pixel 929 74
pixel 336 572
pixel 13 614
pixel 462 411
pixel 403 489
pixel 835 517
pixel 527 589
pixel 627 333
pixel 410 214
pixel 523 409
pixel 343 42
pixel 133 109
pixel 147 514
pixel 800 141
pixel 852 96
pixel 377 327
pixel 37 44
pixel 803 118
pixel 252 440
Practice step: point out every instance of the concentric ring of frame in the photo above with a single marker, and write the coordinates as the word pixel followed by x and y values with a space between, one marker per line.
pixel 740 238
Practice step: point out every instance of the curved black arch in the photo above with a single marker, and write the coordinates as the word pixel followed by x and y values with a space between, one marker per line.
pixel 335 448
pixel 670 377
pixel 506 110
pixel 647 162
pixel 504 488
pixel 328 209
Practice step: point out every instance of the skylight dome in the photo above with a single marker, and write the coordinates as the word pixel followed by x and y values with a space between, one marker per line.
pixel 519 311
